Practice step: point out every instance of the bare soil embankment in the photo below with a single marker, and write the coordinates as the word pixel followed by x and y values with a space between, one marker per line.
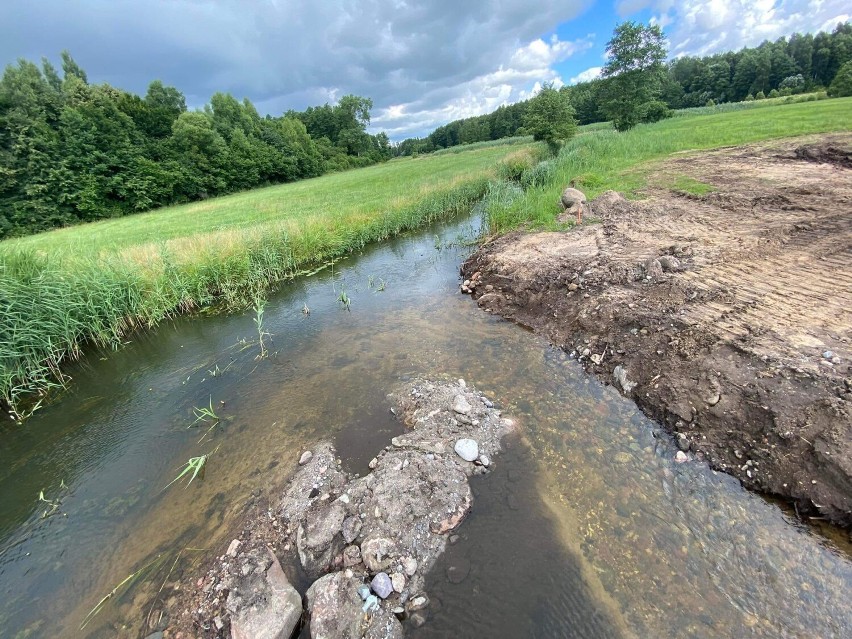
pixel 727 317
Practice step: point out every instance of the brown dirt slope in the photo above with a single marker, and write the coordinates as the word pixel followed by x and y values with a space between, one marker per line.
pixel 731 312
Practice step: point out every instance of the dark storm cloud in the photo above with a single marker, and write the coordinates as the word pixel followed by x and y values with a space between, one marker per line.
pixel 288 53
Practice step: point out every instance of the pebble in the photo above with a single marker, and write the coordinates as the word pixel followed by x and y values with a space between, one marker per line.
pixel 234 548
pixel 409 565
pixel 382 585
pixel 364 591
pixel 305 458
pixel 461 405
pixel 398 582
pixel 373 463
pixel 681 457
pixel 467 449
pixel 484 460
pixel 828 354
pixel 418 603
pixel 462 384
pixel 371 603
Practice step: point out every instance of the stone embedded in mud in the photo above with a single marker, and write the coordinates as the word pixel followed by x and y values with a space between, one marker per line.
pixel 377 553
pixel 274 614
pixel 305 458
pixel 653 268
pixel 467 449
pixel 382 585
pixel 336 610
pixel 351 556
pixel 318 540
pixel 619 374
pixel 351 528
pixel 398 581
pixel 461 405
pixel 669 263
pixel 409 564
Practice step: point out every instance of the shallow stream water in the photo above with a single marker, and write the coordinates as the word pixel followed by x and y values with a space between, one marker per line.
pixel 586 527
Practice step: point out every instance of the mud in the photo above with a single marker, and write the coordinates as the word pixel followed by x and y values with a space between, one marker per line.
pixel 332 534
pixel 727 316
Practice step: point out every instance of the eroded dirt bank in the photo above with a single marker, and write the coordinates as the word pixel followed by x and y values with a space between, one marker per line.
pixel 361 546
pixel 727 316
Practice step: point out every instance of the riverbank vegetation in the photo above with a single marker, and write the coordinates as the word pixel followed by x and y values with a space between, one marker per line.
pixel 95 283
pixel 603 159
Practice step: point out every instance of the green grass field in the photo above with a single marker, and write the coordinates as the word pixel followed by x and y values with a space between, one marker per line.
pixel 603 159
pixel 97 282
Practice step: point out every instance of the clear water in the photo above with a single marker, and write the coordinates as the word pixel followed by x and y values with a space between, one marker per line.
pixel 586 527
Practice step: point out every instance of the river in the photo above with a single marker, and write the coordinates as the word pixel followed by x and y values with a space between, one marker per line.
pixel 586 528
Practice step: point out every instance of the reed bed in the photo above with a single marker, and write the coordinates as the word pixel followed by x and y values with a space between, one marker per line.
pixel 95 284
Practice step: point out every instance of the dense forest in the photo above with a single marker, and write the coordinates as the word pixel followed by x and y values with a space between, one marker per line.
pixel 788 66
pixel 74 152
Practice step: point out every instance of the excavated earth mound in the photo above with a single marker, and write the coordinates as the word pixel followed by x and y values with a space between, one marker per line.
pixel 726 316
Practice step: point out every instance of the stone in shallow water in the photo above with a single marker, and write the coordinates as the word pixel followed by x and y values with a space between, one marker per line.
pixel 382 585
pixel 305 458
pixel 467 449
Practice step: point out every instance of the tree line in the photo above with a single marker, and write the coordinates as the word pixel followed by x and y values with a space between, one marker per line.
pixel 74 152
pixel 788 66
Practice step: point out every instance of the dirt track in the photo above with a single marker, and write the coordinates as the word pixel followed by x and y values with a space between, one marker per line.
pixel 721 308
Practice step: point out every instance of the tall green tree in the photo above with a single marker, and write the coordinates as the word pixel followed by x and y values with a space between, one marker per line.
pixel 550 117
pixel 634 72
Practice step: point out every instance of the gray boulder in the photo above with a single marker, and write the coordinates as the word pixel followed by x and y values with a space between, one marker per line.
pixel 274 612
pixel 572 197
pixel 336 610
pixel 319 539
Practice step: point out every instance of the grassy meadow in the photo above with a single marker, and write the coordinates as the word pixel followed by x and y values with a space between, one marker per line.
pixel 601 159
pixel 95 283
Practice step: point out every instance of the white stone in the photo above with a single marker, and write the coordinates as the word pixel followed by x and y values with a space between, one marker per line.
pixel 681 457
pixel 305 458
pixel 398 582
pixel 484 460
pixel 467 449
pixel 461 405
pixel 234 548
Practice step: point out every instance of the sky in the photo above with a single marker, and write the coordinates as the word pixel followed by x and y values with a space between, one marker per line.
pixel 422 62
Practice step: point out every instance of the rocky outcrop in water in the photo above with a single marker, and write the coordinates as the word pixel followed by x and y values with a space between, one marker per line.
pixel 366 543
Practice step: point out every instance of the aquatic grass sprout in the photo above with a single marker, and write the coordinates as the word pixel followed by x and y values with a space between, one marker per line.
pixel 195 466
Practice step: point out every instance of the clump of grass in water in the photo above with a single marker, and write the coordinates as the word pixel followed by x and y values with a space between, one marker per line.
pixel 345 300
pixel 196 466
pixel 259 305
pixel 205 414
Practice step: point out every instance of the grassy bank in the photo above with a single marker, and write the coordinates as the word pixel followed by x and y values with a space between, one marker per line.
pixel 603 159
pixel 95 283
